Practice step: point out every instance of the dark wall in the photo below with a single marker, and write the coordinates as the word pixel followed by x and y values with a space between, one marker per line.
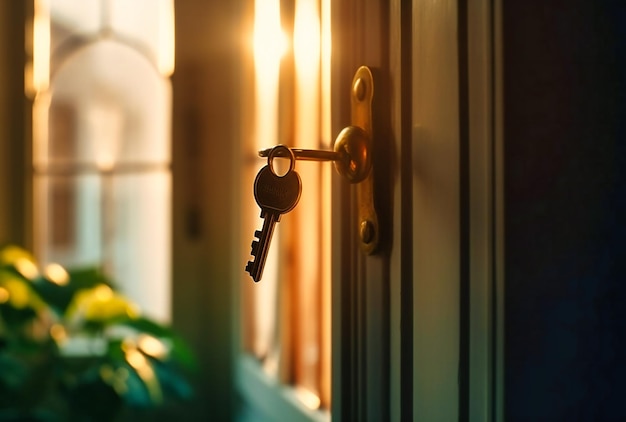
pixel 565 201
pixel 14 133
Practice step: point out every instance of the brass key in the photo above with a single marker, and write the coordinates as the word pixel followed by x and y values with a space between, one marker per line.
pixel 276 195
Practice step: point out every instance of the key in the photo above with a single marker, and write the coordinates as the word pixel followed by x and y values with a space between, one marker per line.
pixel 276 195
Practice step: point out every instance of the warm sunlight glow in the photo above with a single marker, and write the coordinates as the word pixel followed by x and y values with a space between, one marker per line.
pixel 269 46
pixel 135 359
pixel 308 270
pixel 306 39
pixel 288 327
pixel 270 42
pixel 58 333
pixel 4 295
pixel 152 346
pixel 309 399
pixel 41 46
pixel 327 141
pixel 27 268
pixel 57 274
pixel 165 45
pixel 325 55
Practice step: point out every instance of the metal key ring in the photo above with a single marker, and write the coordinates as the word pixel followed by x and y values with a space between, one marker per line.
pixel 281 151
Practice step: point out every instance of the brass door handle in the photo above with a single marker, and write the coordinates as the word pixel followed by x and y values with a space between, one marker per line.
pixel 352 156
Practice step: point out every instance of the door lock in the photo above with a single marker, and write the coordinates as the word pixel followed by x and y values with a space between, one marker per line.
pixel 352 156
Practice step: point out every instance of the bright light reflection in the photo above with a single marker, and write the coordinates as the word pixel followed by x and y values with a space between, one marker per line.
pixel 27 268
pixel 309 399
pixel 136 359
pixel 307 132
pixel 41 46
pixel 166 38
pixel 152 346
pixel 270 44
pixel 57 274
pixel 270 41
pixel 306 39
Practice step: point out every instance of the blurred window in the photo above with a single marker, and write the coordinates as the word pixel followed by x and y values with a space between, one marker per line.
pixel 101 140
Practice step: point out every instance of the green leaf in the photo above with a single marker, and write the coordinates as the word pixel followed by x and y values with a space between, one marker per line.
pixel 12 374
pixel 16 318
pixel 91 398
pixel 100 306
pixel 19 302
pixel 137 393
pixel 115 352
pixel 59 296
pixel 88 277
pixel 10 254
pixel 18 261
pixel 180 351
pixel 174 384
pixel 134 371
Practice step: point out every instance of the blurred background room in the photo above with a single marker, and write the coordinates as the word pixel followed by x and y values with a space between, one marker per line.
pixel 129 139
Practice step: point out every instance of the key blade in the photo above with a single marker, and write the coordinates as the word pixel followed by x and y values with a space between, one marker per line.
pixel 255 267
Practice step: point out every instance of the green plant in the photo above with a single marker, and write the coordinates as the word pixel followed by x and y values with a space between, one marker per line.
pixel 73 348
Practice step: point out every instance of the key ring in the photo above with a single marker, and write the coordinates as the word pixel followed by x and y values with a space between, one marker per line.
pixel 281 151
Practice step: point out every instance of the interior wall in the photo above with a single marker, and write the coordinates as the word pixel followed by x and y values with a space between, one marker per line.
pixel 565 202
pixel 13 135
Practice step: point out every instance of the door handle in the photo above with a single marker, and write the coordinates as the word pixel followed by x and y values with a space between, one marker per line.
pixel 352 156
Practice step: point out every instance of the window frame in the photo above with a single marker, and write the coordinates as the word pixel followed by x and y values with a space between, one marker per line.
pixel 256 389
pixel 275 400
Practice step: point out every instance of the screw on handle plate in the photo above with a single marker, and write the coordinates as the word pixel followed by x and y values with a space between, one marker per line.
pixel 361 101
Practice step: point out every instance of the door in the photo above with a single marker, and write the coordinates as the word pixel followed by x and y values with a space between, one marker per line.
pixel 418 332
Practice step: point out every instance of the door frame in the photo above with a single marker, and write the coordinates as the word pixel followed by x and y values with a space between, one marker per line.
pixel 374 340
pixel 360 285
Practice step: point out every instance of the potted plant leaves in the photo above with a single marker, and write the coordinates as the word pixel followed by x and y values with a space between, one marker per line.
pixel 73 348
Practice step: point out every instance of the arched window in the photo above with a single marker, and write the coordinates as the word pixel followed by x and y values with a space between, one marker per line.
pixel 101 132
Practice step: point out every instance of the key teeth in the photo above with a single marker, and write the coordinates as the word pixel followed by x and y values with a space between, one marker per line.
pixel 250 270
pixel 255 267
